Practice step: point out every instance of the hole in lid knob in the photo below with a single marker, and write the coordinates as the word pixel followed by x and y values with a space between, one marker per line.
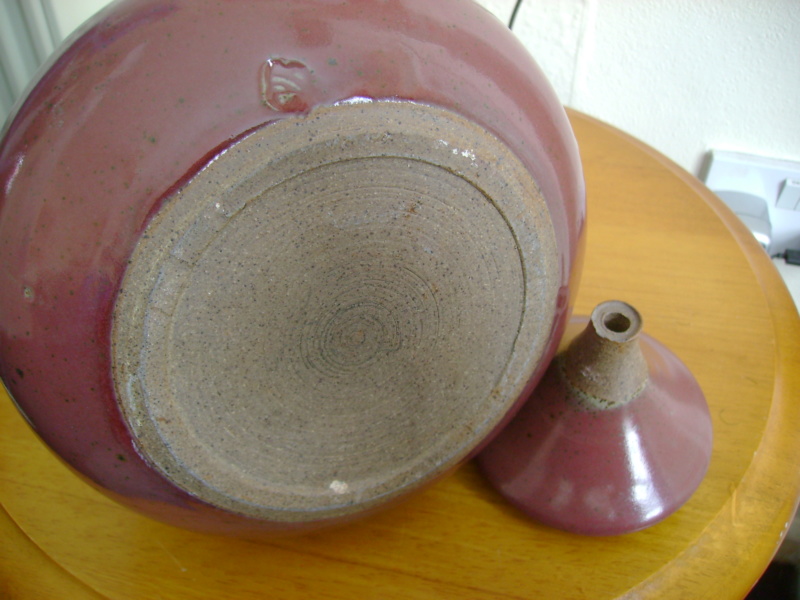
pixel 617 322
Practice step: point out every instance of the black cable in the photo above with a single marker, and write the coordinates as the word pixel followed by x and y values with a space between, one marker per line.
pixel 514 14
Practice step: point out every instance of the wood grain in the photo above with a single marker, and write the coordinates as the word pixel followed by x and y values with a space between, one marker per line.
pixel 656 239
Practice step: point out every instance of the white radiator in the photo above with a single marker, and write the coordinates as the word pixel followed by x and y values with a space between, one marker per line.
pixel 28 34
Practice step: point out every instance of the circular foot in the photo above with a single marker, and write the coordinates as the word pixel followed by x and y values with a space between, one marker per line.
pixel 336 309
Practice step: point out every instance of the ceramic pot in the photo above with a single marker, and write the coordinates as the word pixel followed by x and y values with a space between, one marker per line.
pixel 270 265
pixel 616 437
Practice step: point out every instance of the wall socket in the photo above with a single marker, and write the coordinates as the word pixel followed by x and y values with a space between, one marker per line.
pixel 763 192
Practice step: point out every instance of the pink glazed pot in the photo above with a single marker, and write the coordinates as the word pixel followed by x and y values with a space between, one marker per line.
pixel 266 266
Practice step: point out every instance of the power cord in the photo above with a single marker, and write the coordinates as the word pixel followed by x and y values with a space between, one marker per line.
pixel 514 14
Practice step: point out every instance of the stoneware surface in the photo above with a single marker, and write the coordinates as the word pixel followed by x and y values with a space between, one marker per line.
pixel 616 437
pixel 269 265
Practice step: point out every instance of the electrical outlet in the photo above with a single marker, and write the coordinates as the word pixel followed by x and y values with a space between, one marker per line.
pixel 764 192
pixel 789 196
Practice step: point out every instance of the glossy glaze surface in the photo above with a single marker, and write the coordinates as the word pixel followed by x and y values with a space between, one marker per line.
pixel 149 92
pixel 605 457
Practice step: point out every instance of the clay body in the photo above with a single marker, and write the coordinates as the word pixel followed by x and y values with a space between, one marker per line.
pixel 255 142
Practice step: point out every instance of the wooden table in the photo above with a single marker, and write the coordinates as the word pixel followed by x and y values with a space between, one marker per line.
pixel 658 240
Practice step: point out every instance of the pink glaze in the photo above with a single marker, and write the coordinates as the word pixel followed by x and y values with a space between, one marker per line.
pixel 605 472
pixel 142 98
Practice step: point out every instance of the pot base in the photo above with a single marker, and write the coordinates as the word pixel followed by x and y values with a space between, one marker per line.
pixel 335 310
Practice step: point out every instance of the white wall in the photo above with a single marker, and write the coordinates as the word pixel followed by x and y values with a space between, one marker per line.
pixel 684 76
